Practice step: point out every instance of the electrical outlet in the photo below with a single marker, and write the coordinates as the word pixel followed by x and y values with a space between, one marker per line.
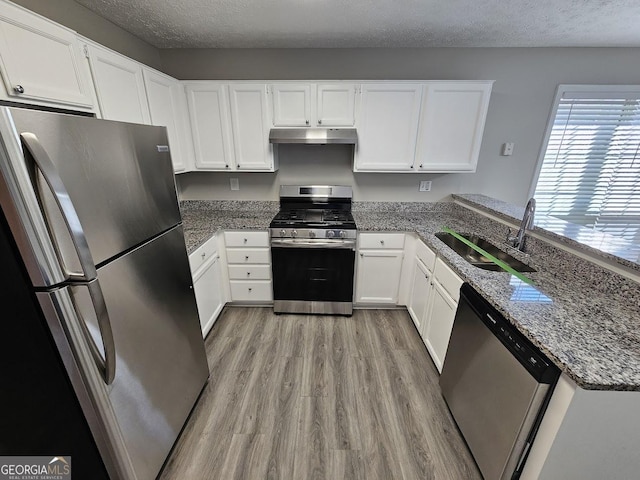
pixel 425 186
pixel 507 149
pixel 234 184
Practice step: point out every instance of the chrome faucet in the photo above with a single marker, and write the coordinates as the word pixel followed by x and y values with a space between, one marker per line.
pixel 518 240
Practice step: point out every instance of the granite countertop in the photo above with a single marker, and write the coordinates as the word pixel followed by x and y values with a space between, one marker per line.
pixel 203 218
pixel 585 318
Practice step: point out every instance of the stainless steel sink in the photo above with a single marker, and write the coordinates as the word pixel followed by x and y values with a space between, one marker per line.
pixel 478 260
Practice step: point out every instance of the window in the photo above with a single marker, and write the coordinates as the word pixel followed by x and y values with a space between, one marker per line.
pixel 590 172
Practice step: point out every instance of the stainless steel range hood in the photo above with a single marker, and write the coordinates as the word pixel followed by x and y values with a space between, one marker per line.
pixel 313 136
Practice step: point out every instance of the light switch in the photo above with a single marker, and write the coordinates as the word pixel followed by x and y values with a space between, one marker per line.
pixel 507 149
pixel 234 183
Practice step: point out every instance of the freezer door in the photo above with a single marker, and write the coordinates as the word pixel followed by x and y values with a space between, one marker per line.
pixel 160 364
pixel 118 177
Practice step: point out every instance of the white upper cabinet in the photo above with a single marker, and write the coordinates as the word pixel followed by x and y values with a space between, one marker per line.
pixel 210 125
pixel 250 127
pixel 336 105
pixel 313 104
pixel 291 104
pixel 166 109
pixel 41 61
pixel 451 127
pixel 119 86
pixel 387 125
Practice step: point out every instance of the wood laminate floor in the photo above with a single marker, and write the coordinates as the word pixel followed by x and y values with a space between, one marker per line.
pixel 312 397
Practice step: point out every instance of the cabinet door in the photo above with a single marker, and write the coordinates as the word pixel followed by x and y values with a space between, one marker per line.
pixel 210 126
pixel 119 86
pixel 291 104
pixel 437 331
pixel 387 127
pixel 452 124
pixel 336 105
pixel 40 60
pixel 420 291
pixel 250 127
pixel 208 290
pixel 378 277
pixel 162 94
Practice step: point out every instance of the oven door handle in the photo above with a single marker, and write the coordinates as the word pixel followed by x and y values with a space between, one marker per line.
pixel 304 243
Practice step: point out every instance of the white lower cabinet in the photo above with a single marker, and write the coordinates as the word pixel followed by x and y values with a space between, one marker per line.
pixel 420 291
pixel 438 323
pixel 379 269
pixel 433 302
pixel 206 269
pixel 249 264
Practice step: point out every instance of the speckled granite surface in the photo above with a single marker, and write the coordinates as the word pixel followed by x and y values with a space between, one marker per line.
pixel 201 219
pixel 575 236
pixel 585 318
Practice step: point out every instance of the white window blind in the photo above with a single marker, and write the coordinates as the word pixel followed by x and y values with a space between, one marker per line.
pixel 590 172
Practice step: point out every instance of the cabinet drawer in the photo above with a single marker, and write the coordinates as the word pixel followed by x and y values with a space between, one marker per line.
pixel 382 240
pixel 246 239
pixel 249 272
pixel 244 291
pixel 248 255
pixel 205 251
pixel 426 255
pixel 448 279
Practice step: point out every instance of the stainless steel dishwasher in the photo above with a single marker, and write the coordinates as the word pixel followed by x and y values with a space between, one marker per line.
pixel 496 384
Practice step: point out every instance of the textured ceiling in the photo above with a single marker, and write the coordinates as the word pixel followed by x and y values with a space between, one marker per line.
pixel 376 23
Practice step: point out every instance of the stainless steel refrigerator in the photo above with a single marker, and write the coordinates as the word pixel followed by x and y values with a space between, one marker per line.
pixel 92 210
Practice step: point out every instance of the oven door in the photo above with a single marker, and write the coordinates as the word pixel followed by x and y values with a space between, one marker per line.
pixel 313 277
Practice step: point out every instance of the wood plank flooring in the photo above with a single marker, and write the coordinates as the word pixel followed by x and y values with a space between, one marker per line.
pixel 313 397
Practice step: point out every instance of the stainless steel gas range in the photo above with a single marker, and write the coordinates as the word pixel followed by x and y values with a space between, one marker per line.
pixel 313 243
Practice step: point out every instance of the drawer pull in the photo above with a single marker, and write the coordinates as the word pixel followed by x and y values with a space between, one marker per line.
pixel 250 288
pixel 245 240
pixel 248 274
pixel 204 254
pixel 381 242
pixel 246 258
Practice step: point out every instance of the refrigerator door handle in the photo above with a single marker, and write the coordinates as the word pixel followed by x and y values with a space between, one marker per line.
pixel 107 366
pixel 38 157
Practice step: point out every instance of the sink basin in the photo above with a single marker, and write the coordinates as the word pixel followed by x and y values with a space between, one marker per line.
pixel 478 260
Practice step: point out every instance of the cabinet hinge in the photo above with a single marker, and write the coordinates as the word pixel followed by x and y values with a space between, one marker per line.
pixel 85 50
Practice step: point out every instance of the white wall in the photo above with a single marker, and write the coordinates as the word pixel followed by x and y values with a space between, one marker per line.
pixel 526 81
pixel 322 164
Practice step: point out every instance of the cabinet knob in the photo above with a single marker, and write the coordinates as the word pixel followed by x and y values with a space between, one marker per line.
pixel 307 122
pixel 420 165
pixel 18 89
pixel 362 254
pixel 246 257
pixel 319 122
pixel 381 242
pixel 245 240
pixel 203 255
pixel 411 166
pixel 238 165
pixel 250 288
pixel 248 274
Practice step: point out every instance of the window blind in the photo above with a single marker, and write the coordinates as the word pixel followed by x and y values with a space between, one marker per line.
pixel 590 172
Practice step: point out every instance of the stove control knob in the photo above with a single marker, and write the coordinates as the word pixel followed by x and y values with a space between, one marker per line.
pixel 283 232
pixel 331 234
pixel 294 233
pixel 312 234
pixel 342 234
